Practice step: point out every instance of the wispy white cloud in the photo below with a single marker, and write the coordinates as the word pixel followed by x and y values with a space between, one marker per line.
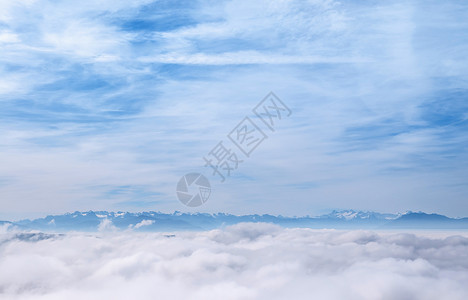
pixel 247 57
pixel 144 223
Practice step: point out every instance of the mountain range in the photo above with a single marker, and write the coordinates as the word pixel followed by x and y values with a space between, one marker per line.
pixel 157 221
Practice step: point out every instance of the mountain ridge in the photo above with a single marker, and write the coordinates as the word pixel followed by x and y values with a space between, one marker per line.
pixel 157 221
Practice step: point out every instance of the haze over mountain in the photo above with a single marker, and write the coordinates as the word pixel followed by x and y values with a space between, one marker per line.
pixel 157 221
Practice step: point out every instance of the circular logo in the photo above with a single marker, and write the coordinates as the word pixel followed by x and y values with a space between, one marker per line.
pixel 193 189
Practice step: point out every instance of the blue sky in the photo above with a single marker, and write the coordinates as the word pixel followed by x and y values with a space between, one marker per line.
pixel 105 105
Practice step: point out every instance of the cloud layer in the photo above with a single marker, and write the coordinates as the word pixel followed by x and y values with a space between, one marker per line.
pixel 245 261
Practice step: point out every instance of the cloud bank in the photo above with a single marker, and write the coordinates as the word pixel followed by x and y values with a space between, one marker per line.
pixel 245 261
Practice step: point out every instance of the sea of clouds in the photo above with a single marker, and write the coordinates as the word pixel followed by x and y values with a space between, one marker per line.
pixel 245 261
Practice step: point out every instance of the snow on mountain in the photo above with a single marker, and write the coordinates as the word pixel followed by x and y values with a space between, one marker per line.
pixel 157 221
pixel 361 215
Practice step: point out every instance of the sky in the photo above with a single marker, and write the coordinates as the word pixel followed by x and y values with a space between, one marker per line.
pixel 105 105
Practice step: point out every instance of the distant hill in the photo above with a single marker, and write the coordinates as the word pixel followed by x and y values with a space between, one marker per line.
pixel 422 220
pixel 156 221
